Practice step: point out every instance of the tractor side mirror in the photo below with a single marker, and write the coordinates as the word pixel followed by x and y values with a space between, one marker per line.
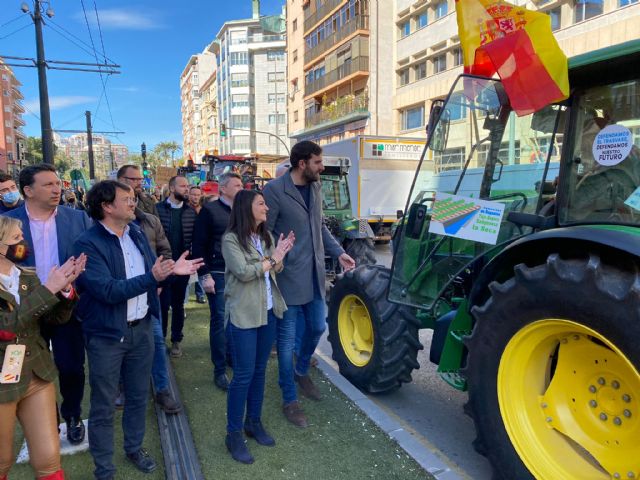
pixel 438 126
pixel 399 214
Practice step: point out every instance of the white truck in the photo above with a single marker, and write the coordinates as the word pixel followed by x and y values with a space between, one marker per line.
pixel 380 176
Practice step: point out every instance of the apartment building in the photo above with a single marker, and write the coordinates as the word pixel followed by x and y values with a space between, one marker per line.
pixel 11 110
pixel 107 155
pixel 347 76
pixel 295 65
pixel 428 56
pixel 209 111
pixel 252 85
pixel 198 69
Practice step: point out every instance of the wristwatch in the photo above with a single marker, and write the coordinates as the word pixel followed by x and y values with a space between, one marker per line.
pixel 272 261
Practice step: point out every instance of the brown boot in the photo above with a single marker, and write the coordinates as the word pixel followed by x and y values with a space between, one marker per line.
pixel 295 415
pixel 307 387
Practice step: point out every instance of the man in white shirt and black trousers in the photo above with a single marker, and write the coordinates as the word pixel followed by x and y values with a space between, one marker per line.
pixel 117 299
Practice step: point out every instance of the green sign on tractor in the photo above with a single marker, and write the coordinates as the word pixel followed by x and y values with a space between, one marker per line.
pixel 526 266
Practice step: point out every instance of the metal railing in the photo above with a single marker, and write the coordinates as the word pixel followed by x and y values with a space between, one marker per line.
pixel 358 64
pixel 341 107
pixel 320 13
pixel 360 22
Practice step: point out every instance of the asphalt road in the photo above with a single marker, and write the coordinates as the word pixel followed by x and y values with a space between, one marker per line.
pixel 431 409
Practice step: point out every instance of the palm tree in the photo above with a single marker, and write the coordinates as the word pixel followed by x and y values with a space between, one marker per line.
pixel 166 150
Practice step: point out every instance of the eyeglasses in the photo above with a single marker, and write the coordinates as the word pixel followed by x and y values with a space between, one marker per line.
pixel 134 179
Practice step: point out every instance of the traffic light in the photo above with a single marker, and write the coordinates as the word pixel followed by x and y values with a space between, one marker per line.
pixel 143 150
pixel 223 130
pixel 145 169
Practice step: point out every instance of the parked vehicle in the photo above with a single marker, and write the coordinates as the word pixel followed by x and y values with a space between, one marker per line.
pixel 529 275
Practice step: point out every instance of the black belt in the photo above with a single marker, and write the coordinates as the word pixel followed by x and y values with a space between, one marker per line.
pixel 135 323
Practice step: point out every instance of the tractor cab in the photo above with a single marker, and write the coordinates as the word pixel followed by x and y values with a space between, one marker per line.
pixel 336 201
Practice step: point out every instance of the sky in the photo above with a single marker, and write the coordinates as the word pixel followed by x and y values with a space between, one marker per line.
pixel 152 42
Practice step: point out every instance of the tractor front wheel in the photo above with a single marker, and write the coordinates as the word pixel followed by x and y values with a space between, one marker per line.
pixel 554 388
pixel 374 342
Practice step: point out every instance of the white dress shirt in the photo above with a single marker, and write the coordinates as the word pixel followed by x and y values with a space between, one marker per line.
pixel 44 237
pixel 134 266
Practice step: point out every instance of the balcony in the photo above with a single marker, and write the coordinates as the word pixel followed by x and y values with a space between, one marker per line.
pixel 320 13
pixel 358 64
pixel 342 107
pixel 360 22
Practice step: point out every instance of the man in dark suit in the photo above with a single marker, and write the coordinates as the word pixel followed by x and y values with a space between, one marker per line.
pixel 50 231
pixel 295 204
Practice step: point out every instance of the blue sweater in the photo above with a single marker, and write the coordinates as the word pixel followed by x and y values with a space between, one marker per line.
pixel 104 288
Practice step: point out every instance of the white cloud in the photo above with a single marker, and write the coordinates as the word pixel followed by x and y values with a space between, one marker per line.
pixel 126 89
pixel 123 19
pixel 59 103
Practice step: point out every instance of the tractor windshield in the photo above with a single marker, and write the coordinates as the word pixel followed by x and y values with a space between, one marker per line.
pixel 335 193
pixel 603 181
pixel 483 162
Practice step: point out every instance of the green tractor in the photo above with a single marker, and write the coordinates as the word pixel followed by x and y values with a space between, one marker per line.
pixel 355 235
pixel 536 310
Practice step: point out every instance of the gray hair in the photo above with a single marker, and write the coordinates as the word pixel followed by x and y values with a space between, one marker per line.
pixel 225 178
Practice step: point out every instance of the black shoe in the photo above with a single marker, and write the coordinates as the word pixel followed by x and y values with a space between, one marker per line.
pixel 221 381
pixel 75 430
pixel 254 429
pixel 201 299
pixel 238 448
pixel 167 402
pixel 142 460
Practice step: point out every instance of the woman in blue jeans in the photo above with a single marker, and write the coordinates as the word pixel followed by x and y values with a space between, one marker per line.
pixel 252 304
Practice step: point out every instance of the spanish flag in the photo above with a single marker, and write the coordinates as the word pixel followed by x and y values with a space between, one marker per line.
pixel 518 45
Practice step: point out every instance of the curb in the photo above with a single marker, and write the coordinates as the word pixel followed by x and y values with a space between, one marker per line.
pixel 424 456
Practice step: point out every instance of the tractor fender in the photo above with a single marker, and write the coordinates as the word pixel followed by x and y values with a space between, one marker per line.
pixel 615 243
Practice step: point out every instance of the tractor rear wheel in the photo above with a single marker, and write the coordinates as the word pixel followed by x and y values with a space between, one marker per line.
pixel 374 342
pixel 362 250
pixel 554 388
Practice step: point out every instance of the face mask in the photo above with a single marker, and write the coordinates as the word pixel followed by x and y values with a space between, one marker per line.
pixel 17 252
pixel 11 197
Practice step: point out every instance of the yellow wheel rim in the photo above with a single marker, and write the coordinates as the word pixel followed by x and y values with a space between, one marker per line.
pixel 355 330
pixel 570 402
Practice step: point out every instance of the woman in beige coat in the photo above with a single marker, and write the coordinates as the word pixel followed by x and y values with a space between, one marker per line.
pixel 253 303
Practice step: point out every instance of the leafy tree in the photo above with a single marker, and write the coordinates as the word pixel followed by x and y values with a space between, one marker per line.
pixel 33 150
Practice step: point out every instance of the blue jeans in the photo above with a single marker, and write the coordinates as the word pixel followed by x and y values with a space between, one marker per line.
pixel 315 319
pixel 159 365
pixel 217 342
pixel 107 357
pixel 249 350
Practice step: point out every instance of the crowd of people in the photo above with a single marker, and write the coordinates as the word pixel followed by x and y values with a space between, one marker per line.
pixel 106 276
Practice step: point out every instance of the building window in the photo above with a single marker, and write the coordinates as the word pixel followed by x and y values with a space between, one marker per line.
pixel 421 20
pixel 439 63
pixel 421 70
pixel 457 57
pixel 441 9
pixel 295 55
pixel 239 58
pixel 239 80
pixel 450 159
pixel 272 98
pixel 457 107
pixel 586 9
pixel 294 24
pixel 404 77
pixel 275 76
pixel 412 118
pixel 555 18
pixel 273 55
pixel 624 3
pixel 279 119
pixel 241 142
pixel 5 77
pixel 239 101
pixel 405 29
pixel 295 115
pixel 240 121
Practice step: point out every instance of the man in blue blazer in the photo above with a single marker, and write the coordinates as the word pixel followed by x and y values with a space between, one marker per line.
pixel 51 230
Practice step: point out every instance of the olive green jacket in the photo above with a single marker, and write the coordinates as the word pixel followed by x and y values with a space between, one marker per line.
pixel 37 304
pixel 245 288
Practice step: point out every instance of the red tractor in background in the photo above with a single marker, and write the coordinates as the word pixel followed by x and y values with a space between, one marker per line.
pixel 207 173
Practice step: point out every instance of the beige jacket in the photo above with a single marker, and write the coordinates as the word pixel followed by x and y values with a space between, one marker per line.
pixel 245 289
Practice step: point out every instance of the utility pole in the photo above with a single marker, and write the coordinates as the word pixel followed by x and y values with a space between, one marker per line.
pixel 45 114
pixel 92 169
